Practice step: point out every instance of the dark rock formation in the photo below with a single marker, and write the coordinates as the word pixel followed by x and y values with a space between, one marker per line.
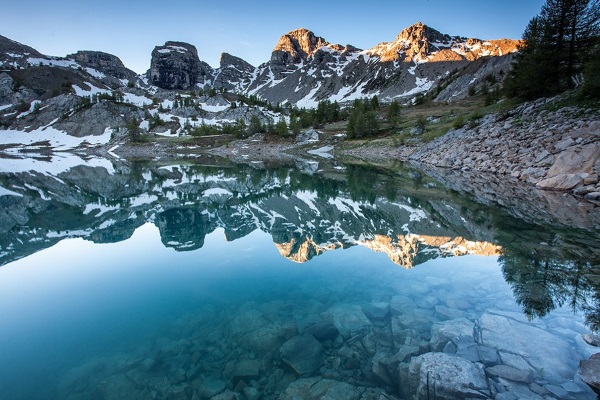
pixel 234 74
pixel 103 62
pixel 176 66
pixel 15 54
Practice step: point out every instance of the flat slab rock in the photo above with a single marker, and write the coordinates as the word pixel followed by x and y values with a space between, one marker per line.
pixel 304 354
pixel 529 346
pixel 447 377
pixel 317 389
pixel 510 373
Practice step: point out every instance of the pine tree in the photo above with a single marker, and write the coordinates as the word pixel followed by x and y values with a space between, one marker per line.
pixel 393 113
pixel 255 125
pixel 557 44
pixel 281 128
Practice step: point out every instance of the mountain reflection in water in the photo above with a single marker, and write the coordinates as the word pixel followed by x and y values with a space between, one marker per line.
pixel 403 214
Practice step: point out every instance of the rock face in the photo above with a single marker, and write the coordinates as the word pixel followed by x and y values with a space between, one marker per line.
pixel 234 74
pixel 176 66
pixel 293 48
pixel 106 63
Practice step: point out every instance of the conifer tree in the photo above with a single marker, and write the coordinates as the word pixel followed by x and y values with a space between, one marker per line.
pixel 557 44
pixel 393 113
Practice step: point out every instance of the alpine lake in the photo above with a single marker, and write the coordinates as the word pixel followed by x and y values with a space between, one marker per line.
pixel 211 280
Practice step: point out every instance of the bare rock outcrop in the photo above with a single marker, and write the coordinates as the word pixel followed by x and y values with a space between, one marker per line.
pixel 103 62
pixel 176 66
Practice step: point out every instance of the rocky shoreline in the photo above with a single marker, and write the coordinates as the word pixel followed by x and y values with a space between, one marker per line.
pixel 552 150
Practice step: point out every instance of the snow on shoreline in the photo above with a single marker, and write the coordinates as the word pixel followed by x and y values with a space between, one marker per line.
pixel 58 140
pixel 53 165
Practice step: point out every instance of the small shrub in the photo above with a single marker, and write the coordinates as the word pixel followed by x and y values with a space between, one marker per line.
pixel 23 106
pixel 459 122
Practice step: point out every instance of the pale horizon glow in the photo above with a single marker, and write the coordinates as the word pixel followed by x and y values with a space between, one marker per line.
pixel 244 29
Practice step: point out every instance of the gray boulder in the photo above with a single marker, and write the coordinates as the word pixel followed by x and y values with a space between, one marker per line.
pixel 446 377
pixel 304 354
pixel 446 331
pixel 524 346
pixel 589 371
pixel 317 389
pixel 349 319
pixel 510 373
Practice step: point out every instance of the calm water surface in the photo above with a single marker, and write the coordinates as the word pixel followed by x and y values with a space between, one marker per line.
pixel 197 282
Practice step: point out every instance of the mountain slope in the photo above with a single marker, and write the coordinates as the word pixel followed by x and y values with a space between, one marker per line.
pixel 301 72
pixel 180 92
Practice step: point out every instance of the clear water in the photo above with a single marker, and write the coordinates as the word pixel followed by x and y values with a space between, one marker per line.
pixel 187 281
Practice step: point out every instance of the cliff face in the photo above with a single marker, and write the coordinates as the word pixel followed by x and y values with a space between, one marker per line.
pixel 103 62
pixel 176 66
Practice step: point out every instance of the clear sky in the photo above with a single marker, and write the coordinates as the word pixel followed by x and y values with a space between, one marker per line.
pixel 130 29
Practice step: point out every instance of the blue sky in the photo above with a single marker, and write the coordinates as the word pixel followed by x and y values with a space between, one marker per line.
pixel 131 29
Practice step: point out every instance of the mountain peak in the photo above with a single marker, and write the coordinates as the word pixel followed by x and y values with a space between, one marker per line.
pixel 419 32
pixel 299 44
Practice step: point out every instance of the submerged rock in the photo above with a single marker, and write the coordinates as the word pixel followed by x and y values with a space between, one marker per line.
pixel 317 389
pixel 304 354
pixel 524 346
pixel 589 371
pixel 444 332
pixel 510 373
pixel 376 311
pixel 446 377
pixel 349 319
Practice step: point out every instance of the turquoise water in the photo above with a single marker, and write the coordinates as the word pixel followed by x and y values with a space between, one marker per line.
pixel 190 283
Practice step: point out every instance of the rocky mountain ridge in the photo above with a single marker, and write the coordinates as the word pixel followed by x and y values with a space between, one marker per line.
pixel 41 93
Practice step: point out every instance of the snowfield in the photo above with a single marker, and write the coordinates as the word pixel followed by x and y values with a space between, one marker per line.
pixel 58 140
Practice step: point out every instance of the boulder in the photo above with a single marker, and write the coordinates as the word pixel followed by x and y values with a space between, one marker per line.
pixel 349 319
pixel 376 311
pixel 309 135
pixel 592 340
pixel 317 389
pixel 510 373
pixel 304 354
pixel 575 160
pixel 522 345
pixel 444 332
pixel 589 371
pixel 561 182
pixel 209 388
pixel 446 377
pixel 323 330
